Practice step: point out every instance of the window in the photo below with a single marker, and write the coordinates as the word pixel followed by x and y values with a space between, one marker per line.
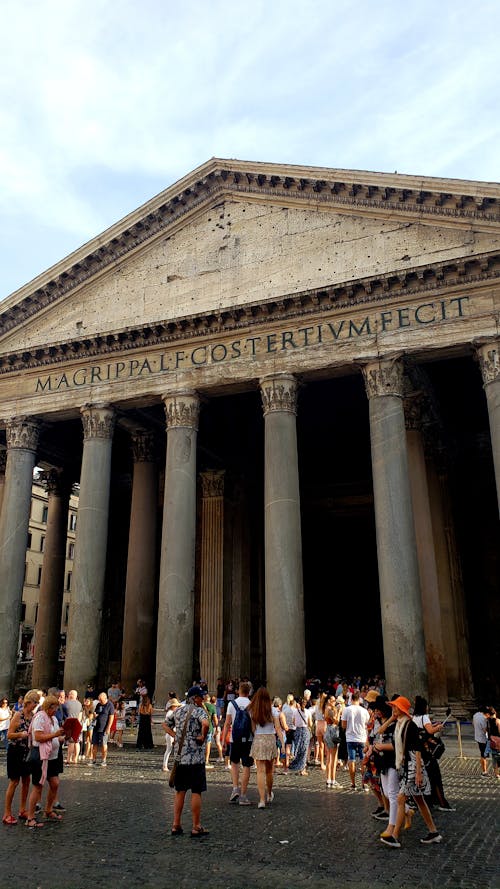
pixel 36 613
pixel 42 544
pixel 29 540
pixel 39 575
pixel 68 581
pixel 45 513
pixel 66 614
pixel 72 522
pixel 23 612
pixel 71 551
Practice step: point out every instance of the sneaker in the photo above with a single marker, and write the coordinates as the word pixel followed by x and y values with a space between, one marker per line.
pixel 244 801
pixel 484 774
pixel 383 816
pixel 91 762
pixel 329 783
pixel 447 808
pixel 261 806
pixel 433 837
pixel 379 811
pixel 103 764
pixel 270 797
pixel 334 784
pixel 59 807
pixel 209 765
pixel 235 794
pixel 390 841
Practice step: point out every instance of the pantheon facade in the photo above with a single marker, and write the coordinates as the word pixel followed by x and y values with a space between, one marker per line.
pixel 278 389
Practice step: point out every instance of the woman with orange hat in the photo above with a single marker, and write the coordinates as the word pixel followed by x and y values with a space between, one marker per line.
pixel 414 780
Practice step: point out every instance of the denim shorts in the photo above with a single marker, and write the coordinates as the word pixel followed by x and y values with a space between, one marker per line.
pixel 354 748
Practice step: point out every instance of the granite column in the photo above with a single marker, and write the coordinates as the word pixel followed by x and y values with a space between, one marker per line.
pixel 400 598
pixel 22 441
pixel 139 619
pixel 85 612
pixel 284 596
pixel 212 575
pixel 174 647
pixel 48 623
pixel 489 359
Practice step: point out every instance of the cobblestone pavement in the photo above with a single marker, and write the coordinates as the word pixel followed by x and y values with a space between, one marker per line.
pixel 116 832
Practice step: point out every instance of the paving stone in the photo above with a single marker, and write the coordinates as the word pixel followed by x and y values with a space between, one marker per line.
pixel 116 832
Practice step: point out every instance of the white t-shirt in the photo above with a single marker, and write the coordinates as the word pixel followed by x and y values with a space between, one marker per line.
pixel 4 718
pixel 241 702
pixel 479 723
pixel 268 728
pixel 37 726
pixel 357 719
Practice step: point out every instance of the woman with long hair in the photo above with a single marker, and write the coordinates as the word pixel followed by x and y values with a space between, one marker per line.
pixel 17 767
pixel 423 722
pixel 320 727
pixel 266 729
pixel 88 717
pixel 302 718
pixel 144 732
pixel 333 715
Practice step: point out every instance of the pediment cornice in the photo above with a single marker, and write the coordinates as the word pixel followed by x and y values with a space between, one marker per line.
pixel 428 199
pixel 415 283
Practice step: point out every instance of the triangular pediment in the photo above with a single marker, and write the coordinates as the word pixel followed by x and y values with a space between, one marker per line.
pixel 233 234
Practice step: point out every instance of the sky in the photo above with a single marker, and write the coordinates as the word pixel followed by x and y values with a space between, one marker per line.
pixel 103 104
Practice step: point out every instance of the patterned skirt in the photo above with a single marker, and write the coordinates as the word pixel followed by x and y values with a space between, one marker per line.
pixel 408 785
pixel 264 747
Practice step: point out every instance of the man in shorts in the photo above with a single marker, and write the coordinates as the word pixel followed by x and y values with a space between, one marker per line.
pixel 354 721
pixel 239 750
pixel 189 725
pixel 104 713
pixel 479 724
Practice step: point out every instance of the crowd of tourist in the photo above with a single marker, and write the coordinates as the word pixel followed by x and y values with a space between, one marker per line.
pixel 390 748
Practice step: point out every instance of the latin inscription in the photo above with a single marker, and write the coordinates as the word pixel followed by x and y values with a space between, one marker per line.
pixel 327 332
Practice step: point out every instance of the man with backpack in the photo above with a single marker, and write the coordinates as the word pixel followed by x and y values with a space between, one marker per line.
pixel 238 725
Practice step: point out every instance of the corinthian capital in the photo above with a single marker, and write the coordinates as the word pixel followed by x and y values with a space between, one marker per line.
pixel 143 446
pixel 384 378
pixel 23 432
pixel 182 409
pixel 489 361
pixel 98 421
pixel 279 393
pixel 212 483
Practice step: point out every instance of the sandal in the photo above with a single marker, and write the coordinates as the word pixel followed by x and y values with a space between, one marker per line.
pixel 9 819
pixel 176 831
pixel 52 816
pixel 199 832
pixel 32 822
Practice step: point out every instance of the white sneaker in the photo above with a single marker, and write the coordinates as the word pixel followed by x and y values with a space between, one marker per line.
pixel 261 806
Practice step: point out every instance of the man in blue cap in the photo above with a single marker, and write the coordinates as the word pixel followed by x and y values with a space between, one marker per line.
pixel 188 725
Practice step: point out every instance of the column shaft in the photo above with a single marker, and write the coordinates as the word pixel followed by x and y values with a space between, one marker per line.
pixel 174 648
pixel 139 619
pixel 48 623
pixel 212 553
pixel 85 611
pixel 489 358
pixel 400 599
pixel 284 596
pixel 22 440
pixel 431 606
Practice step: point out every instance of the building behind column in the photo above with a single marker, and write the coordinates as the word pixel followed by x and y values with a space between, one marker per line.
pixel 286 456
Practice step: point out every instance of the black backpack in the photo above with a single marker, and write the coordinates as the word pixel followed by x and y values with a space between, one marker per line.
pixel 242 724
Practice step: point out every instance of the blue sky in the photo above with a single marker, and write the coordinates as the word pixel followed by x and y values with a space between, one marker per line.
pixel 105 104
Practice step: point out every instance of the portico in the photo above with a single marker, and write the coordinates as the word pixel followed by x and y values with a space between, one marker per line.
pixel 223 398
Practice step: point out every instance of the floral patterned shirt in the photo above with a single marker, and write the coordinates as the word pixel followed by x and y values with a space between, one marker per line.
pixel 192 752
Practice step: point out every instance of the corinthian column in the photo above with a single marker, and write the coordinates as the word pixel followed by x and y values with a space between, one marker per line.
pixel 174 648
pixel 22 441
pixel 3 464
pixel 85 610
pixel 427 565
pixel 489 359
pixel 400 599
pixel 48 622
pixel 212 550
pixel 284 596
pixel 139 618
